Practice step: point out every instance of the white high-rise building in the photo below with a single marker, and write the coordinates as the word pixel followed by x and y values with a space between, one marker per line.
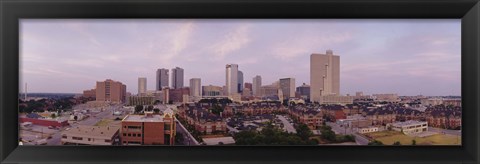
pixel 177 77
pixel 195 87
pixel 231 81
pixel 287 85
pixel 142 85
pixel 162 79
pixel 257 83
pixel 324 75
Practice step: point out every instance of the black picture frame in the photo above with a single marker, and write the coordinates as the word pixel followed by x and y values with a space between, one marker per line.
pixel 13 10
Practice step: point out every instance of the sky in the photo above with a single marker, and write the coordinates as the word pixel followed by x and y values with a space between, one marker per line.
pixel 403 56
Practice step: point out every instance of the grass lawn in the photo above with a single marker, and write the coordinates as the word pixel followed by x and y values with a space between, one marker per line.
pixel 389 137
pixel 103 122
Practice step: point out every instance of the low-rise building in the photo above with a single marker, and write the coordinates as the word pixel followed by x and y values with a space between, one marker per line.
pixel 410 126
pixel 91 135
pixel 149 129
pixel 369 129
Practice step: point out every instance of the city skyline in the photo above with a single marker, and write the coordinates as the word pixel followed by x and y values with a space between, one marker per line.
pixel 410 56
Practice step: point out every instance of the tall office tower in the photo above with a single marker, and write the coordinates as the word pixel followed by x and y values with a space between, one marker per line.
pixel 195 87
pixel 257 83
pixel 142 86
pixel 240 82
pixel 231 79
pixel 324 75
pixel 287 85
pixel 162 79
pixel 177 77
pixel 110 90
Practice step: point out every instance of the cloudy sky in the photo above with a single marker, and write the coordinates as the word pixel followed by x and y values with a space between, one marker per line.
pixel 408 57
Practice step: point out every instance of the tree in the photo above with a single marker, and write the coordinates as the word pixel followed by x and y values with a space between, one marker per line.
pixel 149 108
pixel 138 109
pixel 397 143
pixel 327 133
pixel 304 132
pixel 53 115
pixel 179 138
pixel 375 143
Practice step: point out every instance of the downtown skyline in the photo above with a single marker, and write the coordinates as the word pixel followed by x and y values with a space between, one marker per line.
pixel 407 57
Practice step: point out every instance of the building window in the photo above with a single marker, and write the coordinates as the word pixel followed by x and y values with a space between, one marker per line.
pixel 139 135
pixel 167 127
pixel 64 136
pixel 108 140
pixel 124 134
pixel 129 134
pixel 89 139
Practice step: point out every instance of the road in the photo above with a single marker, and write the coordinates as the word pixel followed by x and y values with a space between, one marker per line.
pixel 189 139
pixel 359 139
pixel 286 125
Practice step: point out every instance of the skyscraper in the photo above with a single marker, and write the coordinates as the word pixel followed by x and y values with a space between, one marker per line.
pixel 162 79
pixel 287 85
pixel 324 75
pixel 177 77
pixel 231 79
pixel 257 83
pixel 240 81
pixel 142 85
pixel 195 87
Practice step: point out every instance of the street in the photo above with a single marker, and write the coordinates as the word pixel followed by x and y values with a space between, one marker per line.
pixel 188 138
pixel 287 125
pixel 360 140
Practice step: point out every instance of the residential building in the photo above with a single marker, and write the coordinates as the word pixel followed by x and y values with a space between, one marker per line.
pixel 336 99
pixel 389 97
pixel 91 135
pixel 111 91
pixel 90 93
pixel 324 75
pixel 177 77
pixel 149 129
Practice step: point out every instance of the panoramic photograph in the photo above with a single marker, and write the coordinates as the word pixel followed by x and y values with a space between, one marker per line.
pixel 229 82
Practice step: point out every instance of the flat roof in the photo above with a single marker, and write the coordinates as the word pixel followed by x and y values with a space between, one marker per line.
pixel 408 123
pixel 89 131
pixel 215 141
pixel 144 118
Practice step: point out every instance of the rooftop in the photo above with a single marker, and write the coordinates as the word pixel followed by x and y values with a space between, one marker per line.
pixel 95 131
pixel 216 141
pixel 408 123
pixel 144 118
